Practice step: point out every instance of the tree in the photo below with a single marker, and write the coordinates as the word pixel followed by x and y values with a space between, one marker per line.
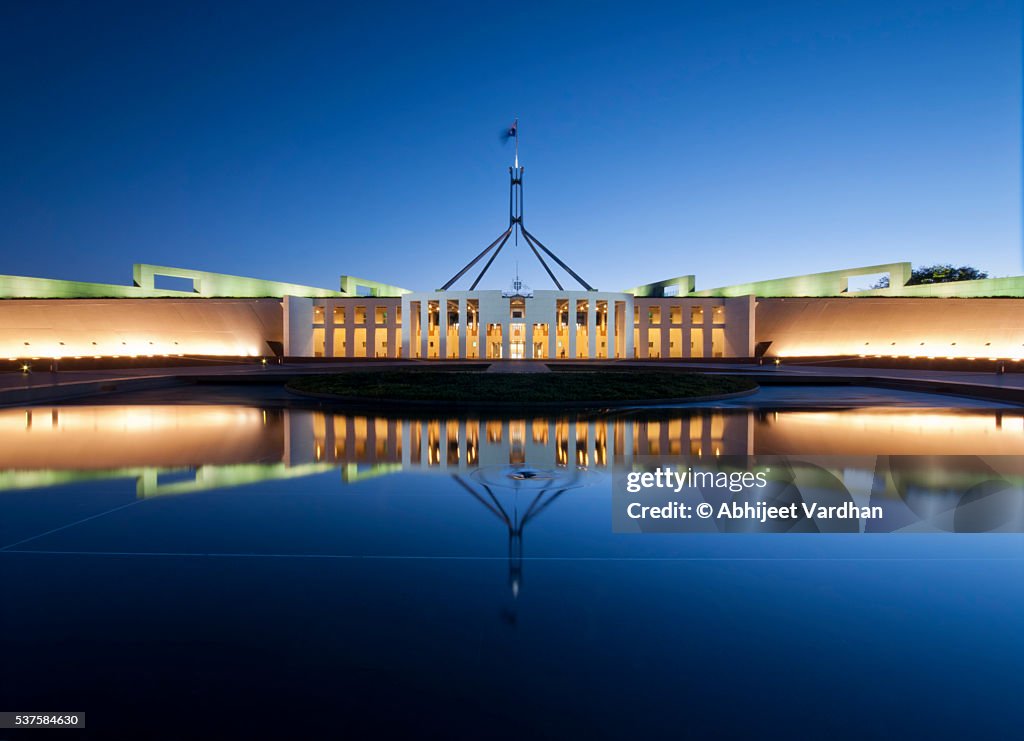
pixel 937 274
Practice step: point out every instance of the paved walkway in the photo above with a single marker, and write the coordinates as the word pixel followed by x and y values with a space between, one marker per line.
pixel 518 366
pixel 1007 380
pixel 46 378
pixel 19 388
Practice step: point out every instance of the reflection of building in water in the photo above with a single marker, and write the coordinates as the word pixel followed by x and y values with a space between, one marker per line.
pixel 177 449
pixel 98 437
pixel 453 444
pixel 890 432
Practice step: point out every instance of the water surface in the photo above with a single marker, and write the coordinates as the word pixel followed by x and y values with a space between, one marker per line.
pixel 293 572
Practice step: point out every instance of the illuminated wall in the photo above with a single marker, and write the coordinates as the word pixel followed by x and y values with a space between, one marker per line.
pixel 903 327
pixel 204 284
pixel 694 327
pixel 808 315
pixel 139 327
pixel 836 283
pixel 216 285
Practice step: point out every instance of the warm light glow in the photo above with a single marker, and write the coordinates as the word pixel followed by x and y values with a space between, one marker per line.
pixel 104 436
pixel 895 432
pixel 963 351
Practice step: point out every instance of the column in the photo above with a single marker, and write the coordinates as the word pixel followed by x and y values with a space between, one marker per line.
pixel 463 327
pixel 610 322
pixel 298 326
pixel 628 328
pixel 442 327
pixel 405 350
pixel 687 330
pixel 643 325
pixel 328 329
pixel 553 330
pixel 592 328
pixel 506 329
pixel 424 325
pixel 393 332
pixel 350 323
pixel 571 351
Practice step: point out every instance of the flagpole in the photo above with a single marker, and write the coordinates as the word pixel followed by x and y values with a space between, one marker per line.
pixel 515 127
pixel 517 142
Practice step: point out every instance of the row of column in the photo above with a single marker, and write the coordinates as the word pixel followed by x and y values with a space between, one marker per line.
pixel 496 310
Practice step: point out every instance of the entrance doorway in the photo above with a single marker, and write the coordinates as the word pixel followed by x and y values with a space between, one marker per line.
pixel 517 341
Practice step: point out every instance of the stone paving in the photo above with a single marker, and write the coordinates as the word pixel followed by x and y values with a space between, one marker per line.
pixel 40 386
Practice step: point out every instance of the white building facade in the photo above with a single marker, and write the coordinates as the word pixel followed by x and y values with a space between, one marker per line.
pixel 527 325
pixel 493 325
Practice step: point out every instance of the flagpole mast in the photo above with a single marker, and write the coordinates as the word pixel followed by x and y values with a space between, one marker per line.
pixel 515 226
pixel 518 175
pixel 517 141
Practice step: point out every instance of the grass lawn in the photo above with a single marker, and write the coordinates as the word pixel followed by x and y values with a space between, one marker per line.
pixel 576 386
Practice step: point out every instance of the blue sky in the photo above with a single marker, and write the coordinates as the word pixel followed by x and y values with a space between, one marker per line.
pixel 300 141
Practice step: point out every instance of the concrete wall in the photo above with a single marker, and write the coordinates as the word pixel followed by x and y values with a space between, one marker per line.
pixel 1012 286
pixel 327 322
pixel 926 327
pixel 22 286
pixel 31 328
pixel 736 324
pixel 204 284
pixel 298 325
pixel 831 283
pixel 213 285
pixel 919 327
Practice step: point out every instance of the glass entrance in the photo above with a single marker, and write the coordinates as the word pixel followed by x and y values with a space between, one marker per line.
pixel 517 342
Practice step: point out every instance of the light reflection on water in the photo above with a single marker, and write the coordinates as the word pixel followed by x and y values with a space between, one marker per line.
pixel 175 449
pixel 380 549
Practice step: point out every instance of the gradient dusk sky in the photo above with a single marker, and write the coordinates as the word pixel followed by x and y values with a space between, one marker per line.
pixel 299 141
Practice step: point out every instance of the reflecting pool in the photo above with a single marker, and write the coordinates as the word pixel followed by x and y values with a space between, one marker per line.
pixel 289 572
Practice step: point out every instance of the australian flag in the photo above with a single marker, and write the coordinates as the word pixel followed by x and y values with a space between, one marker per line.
pixel 512 130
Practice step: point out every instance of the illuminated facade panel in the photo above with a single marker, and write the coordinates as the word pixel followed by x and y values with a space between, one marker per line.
pixel 803 316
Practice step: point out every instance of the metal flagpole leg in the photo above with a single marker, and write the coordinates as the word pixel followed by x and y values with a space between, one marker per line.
pixel 552 275
pixel 554 257
pixel 509 232
pixel 503 235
